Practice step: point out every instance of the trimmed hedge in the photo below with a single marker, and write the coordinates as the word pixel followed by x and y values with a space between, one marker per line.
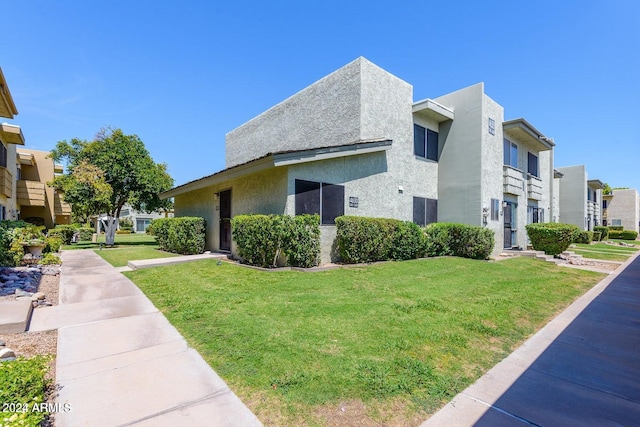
pixel 585 237
pixel 86 233
pixel 552 238
pixel 263 239
pixel 616 227
pixel 597 236
pixel 623 234
pixel 181 235
pixel 364 239
pixel 604 232
pixel 64 232
pixel 459 240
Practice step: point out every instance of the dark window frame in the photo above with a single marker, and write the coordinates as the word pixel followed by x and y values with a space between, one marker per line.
pixel 425 210
pixel 3 156
pixel 495 210
pixel 508 157
pixel 426 142
pixel 533 160
pixel 319 198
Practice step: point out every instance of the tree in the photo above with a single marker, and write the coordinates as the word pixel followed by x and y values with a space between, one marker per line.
pixel 606 189
pixel 104 174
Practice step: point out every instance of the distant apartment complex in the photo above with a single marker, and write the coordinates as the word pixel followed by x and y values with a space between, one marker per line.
pixel 622 208
pixel 24 173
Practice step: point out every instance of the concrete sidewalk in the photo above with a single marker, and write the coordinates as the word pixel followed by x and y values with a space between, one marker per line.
pixel 583 368
pixel 120 362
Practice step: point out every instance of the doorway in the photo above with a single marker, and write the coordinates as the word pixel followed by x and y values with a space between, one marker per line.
pixel 225 220
pixel 509 224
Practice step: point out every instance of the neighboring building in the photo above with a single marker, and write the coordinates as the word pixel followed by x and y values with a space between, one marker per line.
pixel 10 136
pixel 622 207
pixel 580 197
pixel 141 220
pixel 40 203
pixel 355 143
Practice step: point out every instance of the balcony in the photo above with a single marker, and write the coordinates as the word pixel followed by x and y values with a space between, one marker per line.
pixel 31 193
pixel 593 209
pixel 60 206
pixel 6 182
pixel 534 188
pixel 513 182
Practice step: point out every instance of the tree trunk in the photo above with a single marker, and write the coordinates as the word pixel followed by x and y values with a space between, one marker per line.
pixel 110 231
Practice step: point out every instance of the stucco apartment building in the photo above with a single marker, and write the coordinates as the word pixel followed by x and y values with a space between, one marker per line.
pixel 622 207
pixel 580 197
pixel 356 143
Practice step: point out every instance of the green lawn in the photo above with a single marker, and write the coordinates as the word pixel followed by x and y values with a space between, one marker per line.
pixel 120 256
pixel 120 239
pixel 603 251
pixel 396 340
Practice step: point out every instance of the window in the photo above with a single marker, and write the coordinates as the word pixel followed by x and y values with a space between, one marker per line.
pixel 326 200
pixel 3 156
pixel 124 212
pixel 142 224
pixel 3 213
pixel 535 214
pixel 425 143
pixel 495 209
pixel 492 126
pixel 532 165
pixel 425 211
pixel 604 204
pixel 510 154
pixel 616 222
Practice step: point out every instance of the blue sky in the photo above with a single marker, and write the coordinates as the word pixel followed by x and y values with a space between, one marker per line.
pixel 183 74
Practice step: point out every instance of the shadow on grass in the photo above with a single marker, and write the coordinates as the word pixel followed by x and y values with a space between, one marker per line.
pixel 122 241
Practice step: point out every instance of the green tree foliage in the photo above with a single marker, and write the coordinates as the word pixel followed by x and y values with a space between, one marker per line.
pixel 104 174
pixel 606 189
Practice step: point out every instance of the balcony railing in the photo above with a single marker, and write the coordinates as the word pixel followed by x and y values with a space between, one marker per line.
pixel 513 182
pixel 6 182
pixel 534 188
pixel 30 193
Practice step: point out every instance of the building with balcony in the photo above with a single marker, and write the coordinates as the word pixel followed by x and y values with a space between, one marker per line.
pixel 38 202
pixel 10 136
pixel 622 208
pixel 356 143
pixel 580 197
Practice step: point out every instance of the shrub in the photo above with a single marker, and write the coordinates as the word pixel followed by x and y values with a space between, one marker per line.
pixel 582 236
pixel 408 242
pixel 460 240
pixel 6 239
pixel 50 259
pixel 616 227
pixel 182 235
pixel 53 244
pixel 125 223
pixel 597 236
pixel 604 232
pixel 552 238
pixel 86 233
pixel 623 234
pixel 64 232
pixel 24 382
pixel 261 239
pixel 363 239
pixel 124 231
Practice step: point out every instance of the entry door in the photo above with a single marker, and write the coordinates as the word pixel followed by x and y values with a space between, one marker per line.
pixel 508 224
pixel 225 220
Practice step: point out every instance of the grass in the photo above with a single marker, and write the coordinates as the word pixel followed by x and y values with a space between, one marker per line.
pixel 120 239
pixel 120 256
pixel 402 337
pixel 603 251
pixel 23 390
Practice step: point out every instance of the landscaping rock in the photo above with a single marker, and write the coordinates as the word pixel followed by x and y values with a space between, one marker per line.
pixel 51 270
pixel 22 293
pixel 2 343
pixel 24 279
pixel 6 354
pixel 37 296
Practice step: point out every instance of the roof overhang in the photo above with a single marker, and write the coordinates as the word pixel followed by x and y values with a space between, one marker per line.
pixel 522 130
pixel 557 173
pixel 430 109
pixel 595 183
pixel 57 168
pixel 279 159
pixel 26 159
pixel 11 134
pixel 7 106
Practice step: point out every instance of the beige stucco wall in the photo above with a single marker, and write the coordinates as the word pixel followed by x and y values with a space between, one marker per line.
pixel 42 171
pixel 625 206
